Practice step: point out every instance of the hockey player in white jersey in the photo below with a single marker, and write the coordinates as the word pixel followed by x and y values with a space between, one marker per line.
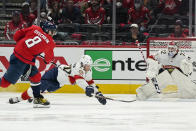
pixel 168 73
pixel 79 73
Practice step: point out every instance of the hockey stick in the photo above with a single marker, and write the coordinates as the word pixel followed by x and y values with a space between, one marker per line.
pixel 96 96
pixel 50 61
pixel 55 64
pixel 26 76
pixel 154 80
pixel 103 97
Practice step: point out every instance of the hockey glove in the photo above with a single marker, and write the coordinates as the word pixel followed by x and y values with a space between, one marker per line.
pixel 89 91
pixel 101 98
pixel 65 68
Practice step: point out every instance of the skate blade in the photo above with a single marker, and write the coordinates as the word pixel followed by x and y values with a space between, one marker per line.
pixel 40 106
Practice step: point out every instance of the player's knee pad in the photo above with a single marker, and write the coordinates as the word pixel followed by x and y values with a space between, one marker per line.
pixel 36 78
pixel 4 83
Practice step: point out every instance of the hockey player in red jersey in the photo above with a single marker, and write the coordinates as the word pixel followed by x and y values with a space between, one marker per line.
pixel 30 42
pixel 79 73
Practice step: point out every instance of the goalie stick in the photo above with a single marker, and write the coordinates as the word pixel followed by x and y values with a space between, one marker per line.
pixel 154 80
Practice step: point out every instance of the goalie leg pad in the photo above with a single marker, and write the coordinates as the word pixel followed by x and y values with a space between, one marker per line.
pixel 165 82
pixel 146 91
pixel 186 87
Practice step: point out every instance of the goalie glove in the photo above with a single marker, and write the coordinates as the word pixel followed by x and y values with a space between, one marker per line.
pixel 186 67
pixel 153 68
pixel 101 98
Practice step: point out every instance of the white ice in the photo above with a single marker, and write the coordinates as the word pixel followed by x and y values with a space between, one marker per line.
pixel 76 112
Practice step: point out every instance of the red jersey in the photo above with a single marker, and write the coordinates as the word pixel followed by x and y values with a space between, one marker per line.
pixel 31 42
pixel 128 3
pixel 28 20
pixel 137 17
pixel 11 28
pixel 92 17
pixel 170 7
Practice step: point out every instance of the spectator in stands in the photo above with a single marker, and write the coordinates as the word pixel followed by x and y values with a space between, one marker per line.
pixel 43 4
pixel 25 15
pixel 14 25
pixel 128 3
pixel 169 7
pixel 61 3
pixel 71 14
pixel 95 14
pixel 135 34
pixel 178 30
pixel 121 13
pixel 56 13
pixel 139 14
pixel 33 7
pixel 85 6
pixel 107 5
pixel 43 18
pixel 151 5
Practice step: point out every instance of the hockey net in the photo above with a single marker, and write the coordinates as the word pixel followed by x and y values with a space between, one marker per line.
pixel 186 45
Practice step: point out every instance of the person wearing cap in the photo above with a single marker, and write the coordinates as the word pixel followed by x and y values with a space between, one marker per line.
pixel 12 26
pixel 135 35
pixel 25 14
pixel 178 30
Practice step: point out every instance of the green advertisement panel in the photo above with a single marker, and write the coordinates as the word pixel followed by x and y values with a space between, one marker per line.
pixel 102 64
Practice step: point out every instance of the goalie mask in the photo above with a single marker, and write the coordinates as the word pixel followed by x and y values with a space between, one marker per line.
pixel 172 49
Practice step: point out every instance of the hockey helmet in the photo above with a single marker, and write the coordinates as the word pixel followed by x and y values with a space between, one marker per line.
pixel 48 26
pixel 86 60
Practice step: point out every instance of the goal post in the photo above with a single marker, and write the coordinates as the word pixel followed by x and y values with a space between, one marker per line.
pixel 186 45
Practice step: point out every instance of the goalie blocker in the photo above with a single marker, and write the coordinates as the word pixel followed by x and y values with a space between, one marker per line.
pixel 175 84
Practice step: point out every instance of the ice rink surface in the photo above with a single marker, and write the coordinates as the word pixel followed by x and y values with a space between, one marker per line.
pixel 76 112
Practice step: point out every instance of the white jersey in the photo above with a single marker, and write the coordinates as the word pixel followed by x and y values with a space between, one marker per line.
pixel 163 58
pixel 76 75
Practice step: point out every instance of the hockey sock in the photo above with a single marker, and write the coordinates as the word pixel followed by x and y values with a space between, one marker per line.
pixel 36 91
pixel 4 83
pixel 25 95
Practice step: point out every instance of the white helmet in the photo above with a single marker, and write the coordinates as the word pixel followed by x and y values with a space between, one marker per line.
pixel 172 49
pixel 86 60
